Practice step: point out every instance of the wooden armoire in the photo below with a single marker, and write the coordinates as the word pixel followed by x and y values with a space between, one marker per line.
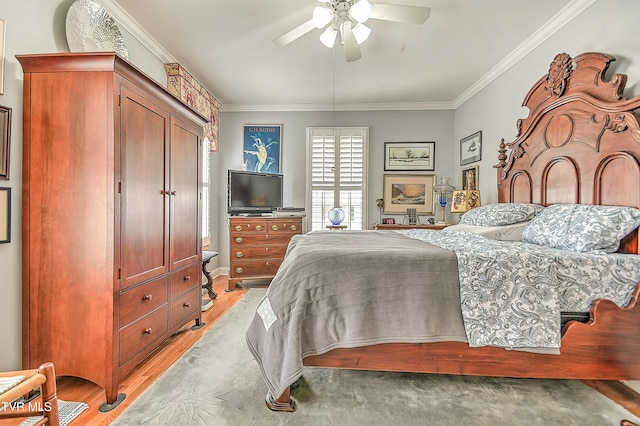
pixel 111 216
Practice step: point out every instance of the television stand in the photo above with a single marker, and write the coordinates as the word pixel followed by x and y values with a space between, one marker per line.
pixel 258 245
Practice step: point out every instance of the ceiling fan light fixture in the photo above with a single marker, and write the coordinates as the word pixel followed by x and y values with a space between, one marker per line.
pixel 361 32
pixel 321 16
pixel 360 11
pixel 328 37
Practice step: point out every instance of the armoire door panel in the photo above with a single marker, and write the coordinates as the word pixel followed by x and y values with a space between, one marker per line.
pixel 144 189
pixel 185 150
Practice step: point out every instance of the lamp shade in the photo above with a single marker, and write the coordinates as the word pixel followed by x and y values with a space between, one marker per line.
pixel 464 200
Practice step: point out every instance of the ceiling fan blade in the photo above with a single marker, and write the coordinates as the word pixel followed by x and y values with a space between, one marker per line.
pixel 295 33
pixel 399 13
pixel 351 48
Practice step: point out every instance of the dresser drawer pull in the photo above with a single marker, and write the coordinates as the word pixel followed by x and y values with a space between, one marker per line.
pixel 266 249
pixel 238 227
pixel 186 304
pixel 274 227
pixel 147 297
pixel 294 227
pixel 187 278
pixel 239 254
pixel 258 227
pixel 239 240
pixel 147 331
pixel 239 270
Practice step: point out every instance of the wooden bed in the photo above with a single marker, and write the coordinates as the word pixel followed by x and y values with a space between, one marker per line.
pixel 579 144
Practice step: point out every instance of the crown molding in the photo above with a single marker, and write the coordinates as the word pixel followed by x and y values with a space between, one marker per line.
pixel 558 21
pixel 373 106
pixel 132 26
pixel 568 13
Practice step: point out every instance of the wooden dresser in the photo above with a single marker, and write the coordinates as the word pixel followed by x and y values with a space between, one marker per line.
pixel 111 216
pixel 258 245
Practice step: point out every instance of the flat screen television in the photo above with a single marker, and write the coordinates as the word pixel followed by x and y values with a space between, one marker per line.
pixel 253 193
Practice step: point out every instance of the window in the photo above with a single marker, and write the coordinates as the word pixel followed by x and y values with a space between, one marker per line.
pixel 337 175
pixel 206 231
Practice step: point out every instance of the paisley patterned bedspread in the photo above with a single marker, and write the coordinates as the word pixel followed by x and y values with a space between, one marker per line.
pixel 512 293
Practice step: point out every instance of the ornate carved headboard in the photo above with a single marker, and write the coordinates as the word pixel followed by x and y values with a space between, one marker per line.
pixel 580 142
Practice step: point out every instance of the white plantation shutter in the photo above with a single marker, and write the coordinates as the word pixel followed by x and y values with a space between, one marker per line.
pixel 337 175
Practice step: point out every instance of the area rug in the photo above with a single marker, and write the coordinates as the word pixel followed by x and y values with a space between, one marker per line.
pixel 67 412
pixel 217 382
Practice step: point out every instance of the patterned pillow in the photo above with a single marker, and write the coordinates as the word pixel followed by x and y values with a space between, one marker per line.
pixel 501 214
pixel 582 227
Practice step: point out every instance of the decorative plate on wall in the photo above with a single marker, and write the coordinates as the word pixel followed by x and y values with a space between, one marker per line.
pixel 90 28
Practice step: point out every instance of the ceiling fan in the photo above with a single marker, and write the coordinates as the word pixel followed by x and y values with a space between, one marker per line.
pixel 347 17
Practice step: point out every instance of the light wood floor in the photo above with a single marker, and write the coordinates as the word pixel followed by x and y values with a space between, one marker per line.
pixel 75 389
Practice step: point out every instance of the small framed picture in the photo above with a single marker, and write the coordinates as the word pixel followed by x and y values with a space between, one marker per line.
pixel 471 149
pixel 5 141
pixel 388 221
pixel 470 180
pixel 262 148
pixel 410 156
pixel 5 215
pixel 402 192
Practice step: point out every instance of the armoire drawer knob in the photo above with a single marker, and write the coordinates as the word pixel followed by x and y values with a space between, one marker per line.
pixel 187 278
pixel 147 297
pixel 239 270
pixel 147 331
pixel 238 228
pixel 239 240
pixel 294 227
pixel 274 227
pixel 239 254
pixel 258 227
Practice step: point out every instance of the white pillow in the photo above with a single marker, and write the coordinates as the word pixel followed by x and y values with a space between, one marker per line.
pixel 582 227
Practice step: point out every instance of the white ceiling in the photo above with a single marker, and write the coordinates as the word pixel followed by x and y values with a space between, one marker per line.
pixel 228 46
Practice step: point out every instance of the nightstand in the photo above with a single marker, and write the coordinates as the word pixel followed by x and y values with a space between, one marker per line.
pixel 384 226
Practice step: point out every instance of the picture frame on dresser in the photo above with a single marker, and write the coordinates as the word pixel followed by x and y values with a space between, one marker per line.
pixel 471 148
pixel 410 156
pixel 402 192
pixel 5 215
pixel 262 148
pixel 5 141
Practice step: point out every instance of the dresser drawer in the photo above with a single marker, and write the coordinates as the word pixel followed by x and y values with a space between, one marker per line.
pixel 285 226
pixel 258 252
pixel 185 305
pixel 185 279
pixel 138 301
pixel 241 225
pixel 248 269
pixel 243 239
pixel 142 333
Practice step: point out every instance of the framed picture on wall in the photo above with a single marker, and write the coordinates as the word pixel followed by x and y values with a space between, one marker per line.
pixel 470 179
pixel 262 148
pixel 5 141
pixel 471 149
pixel 402 192
pixel 5 215
pixel 409 156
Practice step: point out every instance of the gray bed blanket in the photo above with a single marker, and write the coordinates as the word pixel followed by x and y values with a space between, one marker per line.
pixel 380 287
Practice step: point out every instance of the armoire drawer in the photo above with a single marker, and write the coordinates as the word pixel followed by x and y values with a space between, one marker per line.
pixel 142 333
pixel 185 279
pixel 138 301
pixel 184 305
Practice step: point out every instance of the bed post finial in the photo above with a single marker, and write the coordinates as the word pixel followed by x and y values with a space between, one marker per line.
pixel 502 157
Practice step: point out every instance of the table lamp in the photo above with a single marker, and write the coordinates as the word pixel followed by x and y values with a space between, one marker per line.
pixel 443 193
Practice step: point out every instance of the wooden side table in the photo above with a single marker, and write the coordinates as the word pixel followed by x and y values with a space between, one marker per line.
pixel 381 226
pixel 338 227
